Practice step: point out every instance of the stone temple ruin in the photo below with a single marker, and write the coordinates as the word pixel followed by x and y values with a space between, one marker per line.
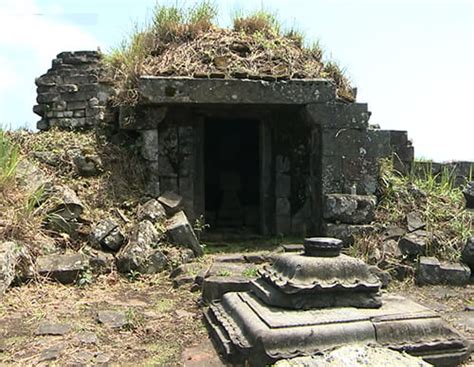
pixel 273 157
pixel 253 154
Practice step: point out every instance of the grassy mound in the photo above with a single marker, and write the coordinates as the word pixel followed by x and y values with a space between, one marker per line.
pixel 187 42
pixel 434 198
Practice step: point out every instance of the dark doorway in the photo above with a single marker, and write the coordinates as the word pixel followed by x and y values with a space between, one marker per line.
pixel 231 165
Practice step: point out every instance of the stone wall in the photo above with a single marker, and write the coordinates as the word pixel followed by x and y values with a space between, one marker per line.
pixel 69 95
pixel 312 143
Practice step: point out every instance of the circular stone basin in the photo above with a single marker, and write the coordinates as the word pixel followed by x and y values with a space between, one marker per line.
pixel 322 246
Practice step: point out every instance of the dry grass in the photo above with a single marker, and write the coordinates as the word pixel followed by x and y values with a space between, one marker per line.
pixel 186 42
pixel 438 202
pixel 155 335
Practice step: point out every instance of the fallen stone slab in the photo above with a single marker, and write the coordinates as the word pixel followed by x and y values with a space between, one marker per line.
pixel 64 268
pixel 142 254
pixel 356 356
pixel 293 248
pixel 112 319
pixel 180 232
pixel 350 209
pixel 10 254
pixel 51 354
pixel 50 328
pixel 172 202
pixel 214 287
pixel 107 235
pixel 181 280
pixel 414 244
pixel 431 271
pixel 68 206
pixel 232 258
pixel 87 337
pixel 347 232
pixel 414 222
pixel 152 210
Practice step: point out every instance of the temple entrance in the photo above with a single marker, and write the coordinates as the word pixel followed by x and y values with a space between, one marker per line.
pixel 232 174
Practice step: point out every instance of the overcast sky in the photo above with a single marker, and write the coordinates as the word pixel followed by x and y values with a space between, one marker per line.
pixel 412 60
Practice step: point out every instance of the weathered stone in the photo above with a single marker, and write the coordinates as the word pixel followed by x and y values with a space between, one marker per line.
pixel 68 205
pixel 83 357
pixel 102 358
pixel 101 230
pixel 414 244
pixel 64 268
pixel 87 165
pixel 180 232
pixel 172 202
pixel 214 287
pixel 181 280
pixel 390 248
pixel 114 240
pixel 393 233
pixel 350 209
pixel 467 255
pixel 232 258
pixel 273 333
pixel 51 354
pixel 295 247
pixel 347 232
pixel 112 319
pixel 149 147
pixel 141 117
pixel 102 263
pixel 50 158
pixel 163 91
pixel 356 356
pixel 49 328
pixel 469 195
pixel 87 337
pixel 414 222
pixel 431 271
pixel 152 210
pixel 428 271
pixel 140 254
pixel 10 254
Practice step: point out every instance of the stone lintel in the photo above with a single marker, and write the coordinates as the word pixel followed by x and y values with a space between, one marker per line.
pixel 185 90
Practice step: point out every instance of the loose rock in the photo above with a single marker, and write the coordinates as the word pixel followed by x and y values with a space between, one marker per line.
pixel 106 234
pixel 180 232
pixel 431 271
pixel 467 255
pixel 414 244
pixel 172 202
pixel 414 222
pixel 63 268
pixel 152 210
pixel 49 328
pixel 113 319
pixel 350 209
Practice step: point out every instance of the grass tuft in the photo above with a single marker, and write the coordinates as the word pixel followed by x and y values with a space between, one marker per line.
pixel 9 159
pixel 260 21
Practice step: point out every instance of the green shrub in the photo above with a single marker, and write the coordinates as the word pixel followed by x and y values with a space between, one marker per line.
pixel 260 21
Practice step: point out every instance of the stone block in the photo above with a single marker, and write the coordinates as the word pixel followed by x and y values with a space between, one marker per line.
pixel 141 117
pixel 141 253
pixel 172 202
pixel 414 244
pixel 283 207
pixel 214 287
pixel 340 115
pixel 64 268
pixel 431 271
pixel 152 210
pixel 180 232
pixel 356 143
pixel 149 147
pixel 350 209
pixel 172 90
pixel 361 172
pixel 347 232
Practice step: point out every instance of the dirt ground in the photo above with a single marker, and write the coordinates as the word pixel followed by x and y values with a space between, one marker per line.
pixel 161 322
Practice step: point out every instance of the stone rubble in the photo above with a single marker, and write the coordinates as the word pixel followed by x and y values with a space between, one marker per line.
pixel 431 271
pixel 10 255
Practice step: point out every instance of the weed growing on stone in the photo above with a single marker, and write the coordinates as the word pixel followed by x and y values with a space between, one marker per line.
pixel 435 198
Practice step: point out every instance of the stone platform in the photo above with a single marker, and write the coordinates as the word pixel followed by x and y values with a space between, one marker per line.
pixel 246 329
